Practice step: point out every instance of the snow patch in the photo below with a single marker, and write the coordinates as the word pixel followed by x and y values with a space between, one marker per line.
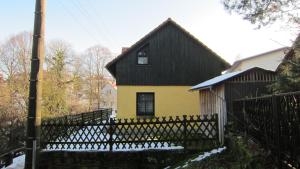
pixel 208 154
pixel 18 163
pixel 203 156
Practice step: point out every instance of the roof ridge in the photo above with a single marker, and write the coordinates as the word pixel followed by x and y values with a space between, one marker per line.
pixel 169 20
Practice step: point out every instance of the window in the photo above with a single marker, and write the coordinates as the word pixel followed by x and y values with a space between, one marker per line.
pixel 143 55
pixel 145 104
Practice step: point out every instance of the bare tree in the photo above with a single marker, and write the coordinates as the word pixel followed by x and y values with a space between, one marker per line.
pixel 14 64
pixel 96 58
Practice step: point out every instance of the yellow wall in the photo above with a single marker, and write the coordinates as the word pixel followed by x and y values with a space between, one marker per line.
pixel 169 100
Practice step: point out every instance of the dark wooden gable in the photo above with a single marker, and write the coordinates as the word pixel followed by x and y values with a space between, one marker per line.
pixel 175 58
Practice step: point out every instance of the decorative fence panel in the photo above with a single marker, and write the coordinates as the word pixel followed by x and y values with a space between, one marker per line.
pixel 130 134
pixel 275 122
pixel 12 137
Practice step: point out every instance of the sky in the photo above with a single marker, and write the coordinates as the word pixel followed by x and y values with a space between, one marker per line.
pixel 119 23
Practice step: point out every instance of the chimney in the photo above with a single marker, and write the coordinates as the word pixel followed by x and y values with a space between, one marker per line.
pixel 124 49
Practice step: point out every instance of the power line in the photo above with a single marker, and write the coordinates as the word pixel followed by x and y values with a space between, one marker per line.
pixel 89 17
pixel 85 15
pixel 103 23
pixel 78 22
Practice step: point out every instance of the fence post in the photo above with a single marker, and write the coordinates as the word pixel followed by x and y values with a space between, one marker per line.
pixel 82 118
pixel 107 113
pixel 184 133
pixel 245 119
pixel 100 112
pixel 276 119
pixel 93 120
pixel 111 132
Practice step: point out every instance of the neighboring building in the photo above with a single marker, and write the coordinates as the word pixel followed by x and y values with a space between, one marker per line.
pixel 216 95
pixel 268 60
pixel 154 75
pixel 109 95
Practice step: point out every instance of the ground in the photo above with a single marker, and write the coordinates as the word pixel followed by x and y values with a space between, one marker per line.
pixel 241 153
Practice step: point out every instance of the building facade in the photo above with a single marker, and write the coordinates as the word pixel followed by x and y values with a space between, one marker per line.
pixel 268 60
pixel 155 74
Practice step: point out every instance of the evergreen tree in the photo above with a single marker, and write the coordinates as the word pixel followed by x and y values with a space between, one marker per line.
pixel 288 78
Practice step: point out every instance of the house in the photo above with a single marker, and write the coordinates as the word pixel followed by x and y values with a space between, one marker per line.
pixel 109 95
pixel 216 94
pixel 268 60
pixel 154 75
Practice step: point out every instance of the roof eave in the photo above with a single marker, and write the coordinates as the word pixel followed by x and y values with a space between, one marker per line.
pixel 109 68
pixel 203 88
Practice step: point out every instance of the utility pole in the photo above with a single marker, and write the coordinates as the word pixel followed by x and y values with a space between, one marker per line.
pixel 35 89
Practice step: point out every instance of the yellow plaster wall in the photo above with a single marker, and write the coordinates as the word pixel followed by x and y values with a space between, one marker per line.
pixel 169 100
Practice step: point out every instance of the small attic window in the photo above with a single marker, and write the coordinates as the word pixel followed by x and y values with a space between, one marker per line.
pixel 143 55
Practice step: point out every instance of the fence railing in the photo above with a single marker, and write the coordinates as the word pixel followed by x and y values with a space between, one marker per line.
pixel 130 134
pixel 12 141
pixel 275 122
pixel 12 137
pixel 7 158
pixel 98 115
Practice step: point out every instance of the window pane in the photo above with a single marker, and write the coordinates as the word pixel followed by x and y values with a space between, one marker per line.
pixel 142 60
pixel 145 103
pixel 141 107
pixel 149 107
pixel 143 55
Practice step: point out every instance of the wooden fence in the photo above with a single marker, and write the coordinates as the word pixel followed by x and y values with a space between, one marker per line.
pixel 12 138
pixel 12 141
pixel 275 122
pixel 130 134
pixel 12 135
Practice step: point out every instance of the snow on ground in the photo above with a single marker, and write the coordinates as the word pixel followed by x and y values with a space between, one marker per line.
pixel 207 154
pixel 127 148
pixel 18 163
pixel 203 156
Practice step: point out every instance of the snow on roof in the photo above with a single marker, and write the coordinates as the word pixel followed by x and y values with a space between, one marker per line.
pixel 217 80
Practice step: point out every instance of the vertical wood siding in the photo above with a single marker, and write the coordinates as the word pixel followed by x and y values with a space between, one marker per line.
pixel 213 101
pixel 252 84
pixel 175 59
